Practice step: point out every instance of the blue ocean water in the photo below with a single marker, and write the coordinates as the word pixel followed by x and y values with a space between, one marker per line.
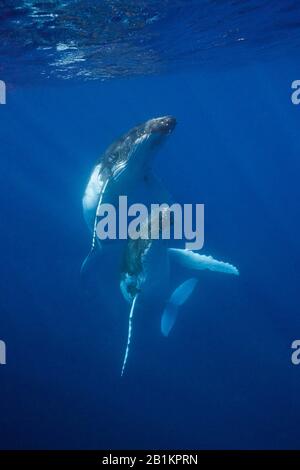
pixel 78 75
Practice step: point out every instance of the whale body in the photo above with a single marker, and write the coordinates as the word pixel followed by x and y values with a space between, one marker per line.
pixel 146 261
pixel 126 162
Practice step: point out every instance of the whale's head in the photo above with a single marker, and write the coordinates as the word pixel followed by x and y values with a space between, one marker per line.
pixel 161 126
pixel 139 144
pixel 147 138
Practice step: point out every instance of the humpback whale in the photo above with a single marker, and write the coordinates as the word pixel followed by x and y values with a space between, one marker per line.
pixel 147 260
pixel 125 162
pixel 146 269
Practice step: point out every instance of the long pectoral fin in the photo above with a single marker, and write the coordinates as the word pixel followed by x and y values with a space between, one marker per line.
pixel 129 334
pixel 102 185
pixel 91 257
pixel 180 295
pixel 95 248
pixel 195 261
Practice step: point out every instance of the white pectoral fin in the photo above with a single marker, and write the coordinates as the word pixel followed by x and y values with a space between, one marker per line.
pixel 195 261
pixel 91 257
pixel 180 295
pixel 129 334
pixel 96 246
pixel 91 196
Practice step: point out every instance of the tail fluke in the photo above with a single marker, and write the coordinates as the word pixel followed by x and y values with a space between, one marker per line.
pixel 195 261
pixel 178 298
pixel 129 335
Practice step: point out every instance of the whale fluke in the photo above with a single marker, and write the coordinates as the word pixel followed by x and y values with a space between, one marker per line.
pixel 178 298
pixel 195 261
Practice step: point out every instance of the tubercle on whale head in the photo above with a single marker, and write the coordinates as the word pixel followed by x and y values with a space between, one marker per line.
pixel 161 125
